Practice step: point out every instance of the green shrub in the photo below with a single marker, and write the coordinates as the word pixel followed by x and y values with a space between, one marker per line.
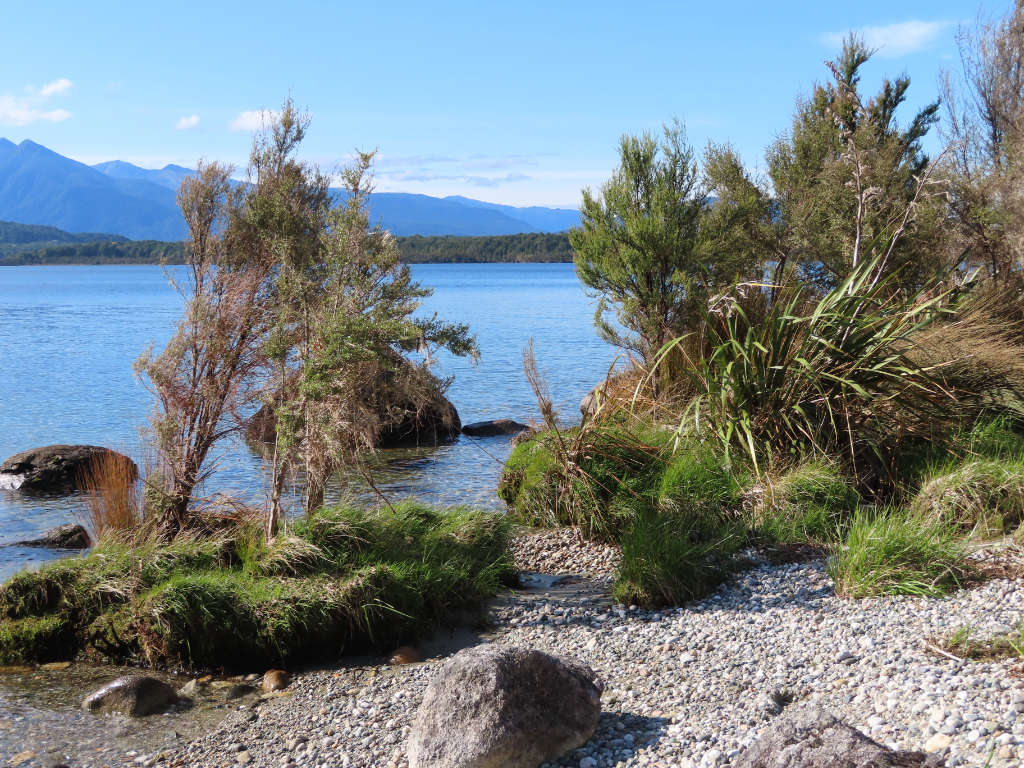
pixel 598 478
pixel 984 497
pixel 809 504
pixel 670 558
pixel 898 553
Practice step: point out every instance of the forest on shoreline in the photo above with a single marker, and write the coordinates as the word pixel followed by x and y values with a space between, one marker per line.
pixel 534 247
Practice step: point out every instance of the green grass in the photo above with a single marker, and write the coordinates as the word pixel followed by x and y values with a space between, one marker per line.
pixel 966 643
pixel 984 497
pixel 893 552
pixel 345 580
pixel 669 559
pixel 809 504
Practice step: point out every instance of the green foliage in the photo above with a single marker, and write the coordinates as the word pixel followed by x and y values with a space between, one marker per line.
pixel 671 558
pixel 696 480
pixel 984 496
pixel 531 247
pixel 638 244
pixel 36 639
pixel 615 474
pixel 833 380
pixel 893 552
pixel 344 580
pixel 808 504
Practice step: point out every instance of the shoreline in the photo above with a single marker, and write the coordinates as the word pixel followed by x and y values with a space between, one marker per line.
pixel 684 686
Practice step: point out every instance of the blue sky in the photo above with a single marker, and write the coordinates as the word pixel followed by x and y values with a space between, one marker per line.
pixel 515 103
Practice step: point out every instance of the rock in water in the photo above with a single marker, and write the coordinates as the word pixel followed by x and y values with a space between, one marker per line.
pixel 494 428
pixel 815 739
pixel 135 695
pixel 54 468
pixel 495 707
pixel 68 536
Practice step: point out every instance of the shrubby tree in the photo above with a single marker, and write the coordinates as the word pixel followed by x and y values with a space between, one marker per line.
pixel 985 128
pixel 845 184
pixel 637 246
pixel 295 301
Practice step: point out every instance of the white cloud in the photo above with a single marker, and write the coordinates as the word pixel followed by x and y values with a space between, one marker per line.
pixel 252 120
pixel 31 107
pixel 184 123
pixel 895 40
pixel 57 86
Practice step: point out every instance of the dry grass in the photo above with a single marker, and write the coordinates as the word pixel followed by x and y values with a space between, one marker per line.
pixel 113 497
pixel 984 497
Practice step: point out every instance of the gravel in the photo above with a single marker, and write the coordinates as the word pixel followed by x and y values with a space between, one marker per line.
pixel 683 687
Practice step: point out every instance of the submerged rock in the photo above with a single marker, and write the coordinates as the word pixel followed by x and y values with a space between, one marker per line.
pixel 494 428
pixel 135 695
pixel 813 738
pixel 55 468
pixel 70 536
pixel 491 707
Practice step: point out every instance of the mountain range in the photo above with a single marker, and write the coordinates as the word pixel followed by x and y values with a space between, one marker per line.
pixel 40 186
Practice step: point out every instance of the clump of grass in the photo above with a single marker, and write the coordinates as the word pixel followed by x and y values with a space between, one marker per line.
pixel 808 504
pixel 984 497
pixel 893 552
pixel 345 579
pixel 696 479
pixel 113 497
pixel 967 644
pixel 597 478
pixel 669 559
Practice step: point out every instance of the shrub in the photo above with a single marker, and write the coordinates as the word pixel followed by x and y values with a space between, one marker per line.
pixel 598 478
pixel 835 379
pixel 897 553
pixel 668 559
pixel 984 497
pixel 809 504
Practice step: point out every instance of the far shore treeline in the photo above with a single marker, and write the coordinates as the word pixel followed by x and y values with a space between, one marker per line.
pixel 527 247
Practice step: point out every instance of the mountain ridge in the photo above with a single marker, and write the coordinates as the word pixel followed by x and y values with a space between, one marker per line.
pixel 41 187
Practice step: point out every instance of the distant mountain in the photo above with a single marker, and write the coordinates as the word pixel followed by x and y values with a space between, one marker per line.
pixel 39 186
pixel 12 233
pixel 538 218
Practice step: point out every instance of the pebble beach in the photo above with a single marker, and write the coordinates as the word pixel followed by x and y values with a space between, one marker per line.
pixel 687 687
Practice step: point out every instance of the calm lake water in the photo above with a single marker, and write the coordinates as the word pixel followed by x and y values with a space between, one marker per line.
pixel 69 335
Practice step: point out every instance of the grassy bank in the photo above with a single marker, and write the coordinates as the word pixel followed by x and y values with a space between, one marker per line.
pixel 347 580
pixel 683 509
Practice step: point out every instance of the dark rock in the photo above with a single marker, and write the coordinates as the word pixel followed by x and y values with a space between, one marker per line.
pixel 815 739
pixel 135 695
pixel 239 691
pixel 494 428
pixel 492 706
pixel 68 536
pixel 402 420
pixel 54 468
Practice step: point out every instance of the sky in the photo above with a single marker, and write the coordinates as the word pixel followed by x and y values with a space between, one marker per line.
pixel 517 103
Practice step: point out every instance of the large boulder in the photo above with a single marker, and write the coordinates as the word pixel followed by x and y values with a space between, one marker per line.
pixel 70 536
pixel 495 707
pixel 812 738
pixel 428 418
pixel 55 468
pixel 494 428
pixel 134 695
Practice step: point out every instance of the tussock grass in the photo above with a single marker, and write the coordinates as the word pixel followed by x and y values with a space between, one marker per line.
pixel 808 504
pixel 893 552
pixel 982 497
pixel 345 580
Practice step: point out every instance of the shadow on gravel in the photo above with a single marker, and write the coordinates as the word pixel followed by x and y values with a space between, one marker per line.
pixel 610 740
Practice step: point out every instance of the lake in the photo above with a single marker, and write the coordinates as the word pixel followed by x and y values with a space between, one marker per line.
pixel 69 335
